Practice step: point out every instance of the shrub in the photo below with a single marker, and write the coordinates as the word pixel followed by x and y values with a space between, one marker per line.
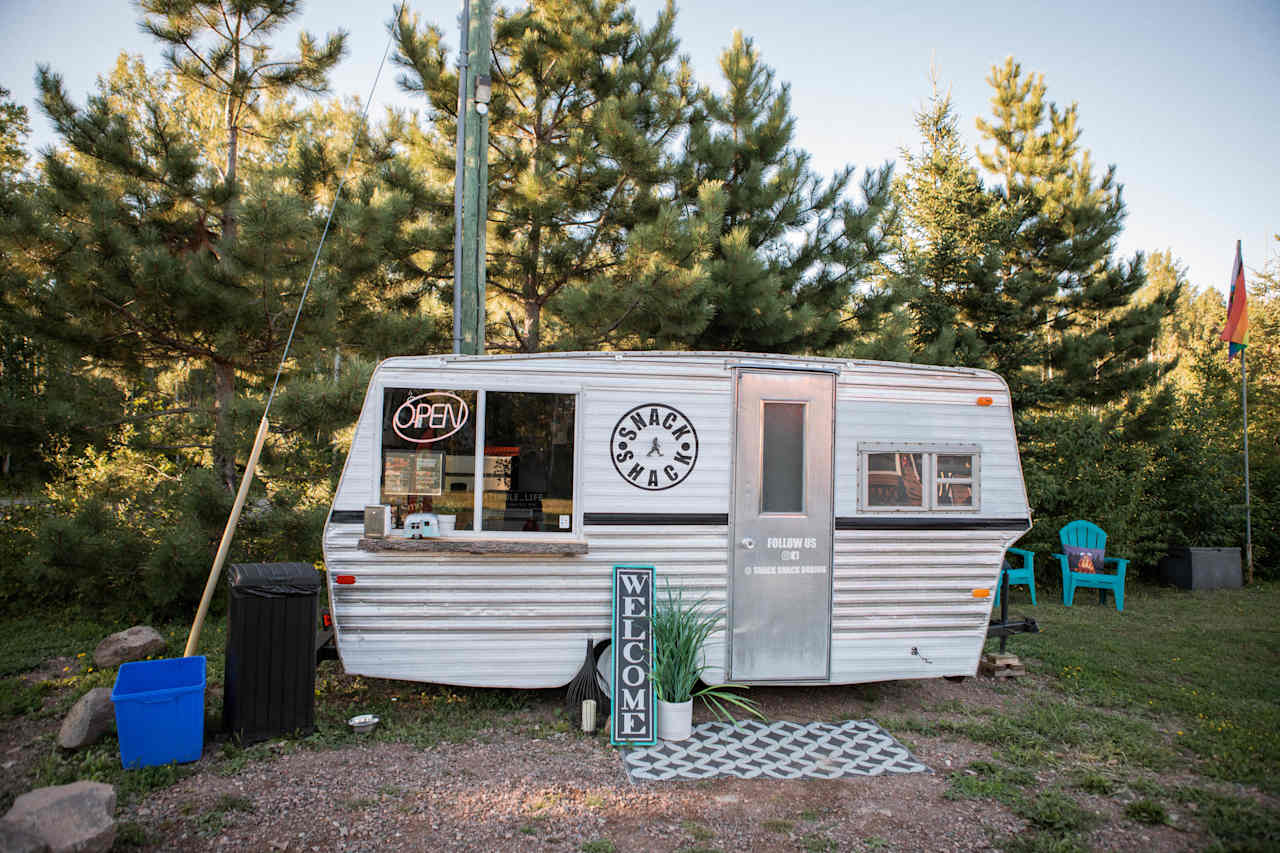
pixel 146 544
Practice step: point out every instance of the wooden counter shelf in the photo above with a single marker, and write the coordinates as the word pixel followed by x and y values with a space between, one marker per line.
pixel 498 547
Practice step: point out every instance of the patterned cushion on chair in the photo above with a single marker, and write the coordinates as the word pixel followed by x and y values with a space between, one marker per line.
pixel 1085 560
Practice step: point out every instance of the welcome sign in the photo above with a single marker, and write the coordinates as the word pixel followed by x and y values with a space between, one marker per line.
pixel 634 718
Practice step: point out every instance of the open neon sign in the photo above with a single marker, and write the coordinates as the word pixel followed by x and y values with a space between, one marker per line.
pixel 434 411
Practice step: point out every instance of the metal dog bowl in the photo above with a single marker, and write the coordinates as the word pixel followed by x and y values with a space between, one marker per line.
pixel 363 724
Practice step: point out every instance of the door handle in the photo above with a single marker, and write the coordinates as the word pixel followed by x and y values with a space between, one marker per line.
pixel 748 543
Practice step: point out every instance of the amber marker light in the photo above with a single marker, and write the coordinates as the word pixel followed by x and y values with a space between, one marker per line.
pixel 981 593
pixel 984 401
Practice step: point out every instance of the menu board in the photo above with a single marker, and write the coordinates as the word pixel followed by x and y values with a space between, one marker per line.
pixel 428 473
pixel 406 472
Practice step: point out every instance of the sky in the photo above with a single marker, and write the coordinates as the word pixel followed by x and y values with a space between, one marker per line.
pixel 1182 97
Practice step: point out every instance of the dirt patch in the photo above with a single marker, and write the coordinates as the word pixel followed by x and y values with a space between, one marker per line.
pixel 51 669
pixel 507 788
pixel 551 794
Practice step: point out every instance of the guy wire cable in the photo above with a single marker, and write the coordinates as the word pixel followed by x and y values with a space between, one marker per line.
pixel 193 638
pixel 333 206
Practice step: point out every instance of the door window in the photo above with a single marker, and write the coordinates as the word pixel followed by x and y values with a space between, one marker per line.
pixel 782 482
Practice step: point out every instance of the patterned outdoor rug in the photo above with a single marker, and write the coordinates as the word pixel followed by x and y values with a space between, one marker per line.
pixel 774 750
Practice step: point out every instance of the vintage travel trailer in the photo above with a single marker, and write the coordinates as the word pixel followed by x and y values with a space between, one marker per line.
pixel 850 516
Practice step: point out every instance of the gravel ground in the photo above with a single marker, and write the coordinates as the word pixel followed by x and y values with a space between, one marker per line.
pixel 503 792
pixel 508 789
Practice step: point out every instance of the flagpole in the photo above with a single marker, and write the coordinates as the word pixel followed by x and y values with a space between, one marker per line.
pixel 1248 509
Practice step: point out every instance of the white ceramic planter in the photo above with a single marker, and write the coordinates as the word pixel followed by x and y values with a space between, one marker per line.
pixel 675 720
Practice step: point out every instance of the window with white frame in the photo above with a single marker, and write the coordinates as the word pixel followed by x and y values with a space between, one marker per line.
pixel 495 460
pixel 904 476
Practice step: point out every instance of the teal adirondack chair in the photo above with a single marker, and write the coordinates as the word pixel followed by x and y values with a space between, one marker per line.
pixel 1026 574
pixel 1086 534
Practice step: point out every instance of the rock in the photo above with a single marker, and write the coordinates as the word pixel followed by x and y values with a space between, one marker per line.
pixel 90 719
pixel 15 839
pixel 133 643
pixel 75 818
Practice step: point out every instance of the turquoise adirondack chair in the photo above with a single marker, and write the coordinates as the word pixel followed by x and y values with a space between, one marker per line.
pixel 1086 534
pixel 1026 574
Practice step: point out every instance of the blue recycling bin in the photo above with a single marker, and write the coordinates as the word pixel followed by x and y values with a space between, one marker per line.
pixel 160 711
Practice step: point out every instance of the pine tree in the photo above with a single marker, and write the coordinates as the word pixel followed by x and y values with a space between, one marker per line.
pixel 14 128
pixel 186 207
pixel 584 245
pixel 949 222
pixel 49 402
pixel 224 46
pixel 790 248
pixel 1068 328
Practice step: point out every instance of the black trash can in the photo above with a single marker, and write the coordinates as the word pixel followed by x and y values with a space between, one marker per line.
pixel 270 676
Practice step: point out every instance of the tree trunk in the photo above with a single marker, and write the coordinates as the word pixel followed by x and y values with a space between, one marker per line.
pixel 224 449
pixel 532 326
pixel 229 224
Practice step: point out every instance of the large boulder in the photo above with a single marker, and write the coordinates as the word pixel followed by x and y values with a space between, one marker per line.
pixel 90 719
pixel 15 839
pixel 133 643
pixel 75 818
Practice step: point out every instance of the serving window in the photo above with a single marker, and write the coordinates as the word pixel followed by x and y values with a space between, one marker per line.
pixel 428 454
pixel 528 461
pixel 904 476
pixel 432 439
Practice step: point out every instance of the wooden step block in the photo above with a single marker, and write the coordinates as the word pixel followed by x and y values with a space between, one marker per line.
pixel 1001 666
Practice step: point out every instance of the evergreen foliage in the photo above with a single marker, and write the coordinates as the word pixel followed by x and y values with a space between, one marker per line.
pixel 151 265
pixel 166 254
pixel 790 247
pixel 584 246
pixel 14 128
pixel 948 225
pixel 1020 277
pixel 49 402
pixel 1073 333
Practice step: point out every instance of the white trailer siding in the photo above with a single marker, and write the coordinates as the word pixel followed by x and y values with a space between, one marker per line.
pixel 523 621
pixel 517 621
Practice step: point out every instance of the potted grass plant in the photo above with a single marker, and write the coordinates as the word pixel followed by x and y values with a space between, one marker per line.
pixel 680 627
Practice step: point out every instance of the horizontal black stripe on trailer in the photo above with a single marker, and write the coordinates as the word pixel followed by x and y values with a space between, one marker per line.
pixel 657 519
pixel 859 523
pixel 346 516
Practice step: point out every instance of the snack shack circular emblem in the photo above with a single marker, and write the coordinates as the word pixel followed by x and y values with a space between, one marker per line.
pixel 654 447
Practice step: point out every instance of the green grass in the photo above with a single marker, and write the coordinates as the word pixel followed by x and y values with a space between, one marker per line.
pixel 30 640
pixel 1049 731
pixel 1177 679
pixel 210 823
pixel 1146 811
pixel 18 698
pixel 1178 682
pixel 986 780
pixel 817 843
pixel 129 834
pixel 101 763
pixel 1199 666
pixel 1233 823
pixel 1057 812
pixel 1094 782
pixel 1042 842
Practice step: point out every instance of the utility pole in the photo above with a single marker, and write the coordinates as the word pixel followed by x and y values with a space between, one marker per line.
pixel 471 197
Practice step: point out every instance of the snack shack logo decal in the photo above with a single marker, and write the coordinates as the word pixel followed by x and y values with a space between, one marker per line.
pixel 633 721
pixel 654 447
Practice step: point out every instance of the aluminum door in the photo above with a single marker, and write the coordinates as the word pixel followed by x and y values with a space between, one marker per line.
pixel 780 600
